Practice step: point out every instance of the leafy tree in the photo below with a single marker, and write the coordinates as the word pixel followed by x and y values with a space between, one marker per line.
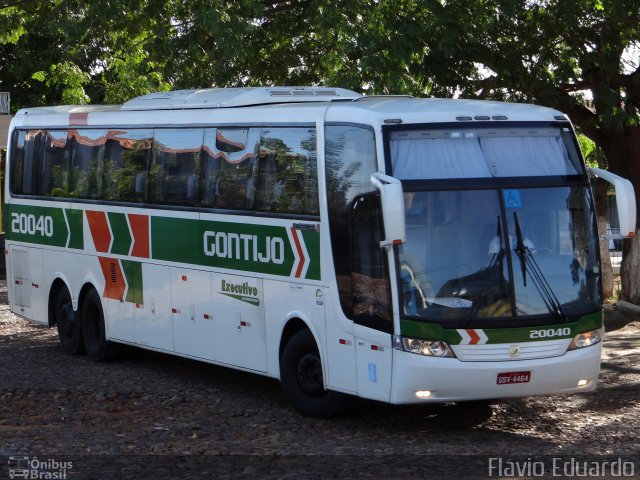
pixel 71 51
pixel 579 56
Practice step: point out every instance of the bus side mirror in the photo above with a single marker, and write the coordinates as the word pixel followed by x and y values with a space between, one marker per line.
pixel 392 200
pixel 625 201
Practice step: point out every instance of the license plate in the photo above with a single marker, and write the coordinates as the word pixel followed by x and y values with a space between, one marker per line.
pixel 513 377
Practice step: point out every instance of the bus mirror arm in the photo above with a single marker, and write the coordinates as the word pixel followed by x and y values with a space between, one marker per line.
pixel 392 200
pixel 625 201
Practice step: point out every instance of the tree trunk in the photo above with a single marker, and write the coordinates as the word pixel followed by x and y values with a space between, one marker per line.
pixel 622 149
pixel 630 270
pixel 601 209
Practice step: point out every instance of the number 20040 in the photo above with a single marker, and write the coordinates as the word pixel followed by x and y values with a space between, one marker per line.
pixel 30 224
pixel 550 332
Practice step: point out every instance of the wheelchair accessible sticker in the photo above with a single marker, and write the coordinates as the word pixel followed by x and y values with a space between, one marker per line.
pixel 512 198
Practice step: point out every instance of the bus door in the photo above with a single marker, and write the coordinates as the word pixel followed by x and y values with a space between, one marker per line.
pixel 239 328
pixel 153 321
pixel 191 307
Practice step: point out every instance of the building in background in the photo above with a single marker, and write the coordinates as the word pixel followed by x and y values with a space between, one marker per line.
pixel 5 120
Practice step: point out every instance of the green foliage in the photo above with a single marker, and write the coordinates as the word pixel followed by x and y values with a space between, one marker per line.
pixel 68 79
pixel 578 56
pixel 11 24
pixel 593 155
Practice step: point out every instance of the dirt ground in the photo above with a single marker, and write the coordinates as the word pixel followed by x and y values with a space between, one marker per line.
pixel 155 416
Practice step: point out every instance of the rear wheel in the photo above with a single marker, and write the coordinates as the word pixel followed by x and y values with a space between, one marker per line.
pixel 67 322
pixel 93 330
pixel 302 379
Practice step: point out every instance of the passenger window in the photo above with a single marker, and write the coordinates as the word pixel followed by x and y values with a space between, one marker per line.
pixel 228 168
pixel 87 163
pixel 55 164
pixel 175 167
pixel 288 181
pixel 350 159
pixel 26 157
pixel 124 176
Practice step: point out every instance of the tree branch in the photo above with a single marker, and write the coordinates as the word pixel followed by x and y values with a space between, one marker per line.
pixel 14 3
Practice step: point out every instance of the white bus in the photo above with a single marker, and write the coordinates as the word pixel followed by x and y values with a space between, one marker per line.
pixel 398 249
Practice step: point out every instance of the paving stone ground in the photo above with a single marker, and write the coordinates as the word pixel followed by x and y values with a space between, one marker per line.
pixel 151 415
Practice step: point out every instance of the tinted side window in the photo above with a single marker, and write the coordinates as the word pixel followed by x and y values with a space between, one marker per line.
pixel 56 157
pixel 175 166
pixel 26 154
pixel 124 176
pixel 350 159
pixel 229 168
pixel 288 181
pixel 85 179
pixel 369 267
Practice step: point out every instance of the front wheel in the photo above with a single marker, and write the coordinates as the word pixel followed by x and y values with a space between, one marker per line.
pixel 302 379
pixel 93 330
pixel 67 322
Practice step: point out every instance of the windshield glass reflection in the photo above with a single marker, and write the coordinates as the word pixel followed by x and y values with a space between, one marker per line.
pixel 455 262
pixel 447 269
pixel 558 224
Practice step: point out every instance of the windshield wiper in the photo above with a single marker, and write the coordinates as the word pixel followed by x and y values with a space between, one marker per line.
pixel 537 276
pixel 521 249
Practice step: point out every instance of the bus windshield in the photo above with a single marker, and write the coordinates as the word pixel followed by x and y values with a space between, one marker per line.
pixel 500 253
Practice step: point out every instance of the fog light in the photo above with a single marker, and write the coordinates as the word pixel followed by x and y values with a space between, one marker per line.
pixel 423 394
pixel 583 382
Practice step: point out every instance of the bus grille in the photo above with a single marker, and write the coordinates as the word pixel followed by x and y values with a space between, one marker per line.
pixel 511 351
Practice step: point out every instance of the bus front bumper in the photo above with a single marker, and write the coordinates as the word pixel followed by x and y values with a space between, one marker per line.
pixel 418 378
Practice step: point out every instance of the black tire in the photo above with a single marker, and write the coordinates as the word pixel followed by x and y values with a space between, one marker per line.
pixel 93 330
pixel 67 322
pixel 302 379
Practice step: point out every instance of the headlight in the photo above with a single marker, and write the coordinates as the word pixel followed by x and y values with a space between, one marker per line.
pixel 430 348
pixel 586 339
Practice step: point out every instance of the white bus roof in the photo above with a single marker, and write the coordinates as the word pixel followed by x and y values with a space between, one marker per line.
pixel 236 97
pixel 284 104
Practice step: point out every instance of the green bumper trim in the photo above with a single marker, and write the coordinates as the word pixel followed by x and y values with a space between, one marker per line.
pixel 431 331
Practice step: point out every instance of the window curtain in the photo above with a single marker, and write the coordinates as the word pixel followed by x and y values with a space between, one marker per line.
pixel 472 157
pixel 438 159
pixel 526 156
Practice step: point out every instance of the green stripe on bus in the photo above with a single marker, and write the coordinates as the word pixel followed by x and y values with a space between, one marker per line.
pixel 40 225
pixel 175 239
pixel 76 232
pixel 234 246
pixel 312 241
pixel 431 331
pixel 122 240
pixel 133 275
pixel 257 248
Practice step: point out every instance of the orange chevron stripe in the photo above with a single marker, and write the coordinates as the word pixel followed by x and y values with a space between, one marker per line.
pixel 475 338
pixel 140 230
pixel 99 230
pixel 296 240
pixel 114 283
